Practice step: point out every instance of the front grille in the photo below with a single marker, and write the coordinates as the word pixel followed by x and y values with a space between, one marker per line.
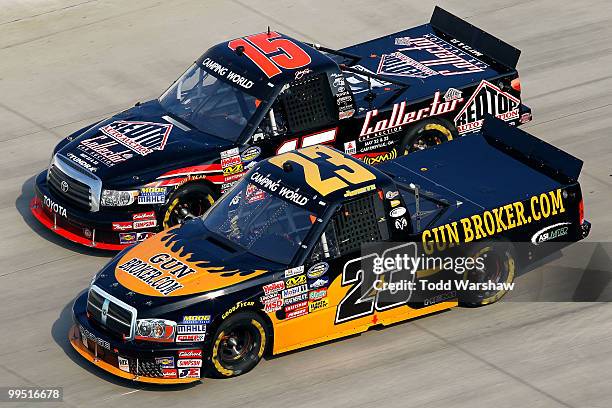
pixel 146 367
pixel 110 313
pixel 77 193
pixel 74 183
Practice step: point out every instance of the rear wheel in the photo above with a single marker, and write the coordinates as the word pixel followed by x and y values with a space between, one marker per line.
pixel 188 202
pixel 499 267
pixel 239 344
pixel 428 133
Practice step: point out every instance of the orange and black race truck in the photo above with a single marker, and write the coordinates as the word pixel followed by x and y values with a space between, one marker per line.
pixel 154 165
pixel 277 263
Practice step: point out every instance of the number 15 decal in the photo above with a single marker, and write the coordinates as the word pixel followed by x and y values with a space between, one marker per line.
pixel 368 292
pixel 259 47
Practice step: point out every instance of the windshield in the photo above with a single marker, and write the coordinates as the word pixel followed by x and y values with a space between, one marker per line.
pixel 209 104
pixel 260 222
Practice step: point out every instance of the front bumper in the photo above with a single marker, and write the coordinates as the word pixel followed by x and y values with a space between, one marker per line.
pixel 81 226
pixel 155 363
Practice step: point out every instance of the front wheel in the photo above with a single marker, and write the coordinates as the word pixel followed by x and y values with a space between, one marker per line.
pixel 239 344
pixel 188 202
pixel 428 133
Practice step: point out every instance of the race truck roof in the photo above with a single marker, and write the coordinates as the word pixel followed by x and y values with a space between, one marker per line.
pixel 316 176
pixel 262 61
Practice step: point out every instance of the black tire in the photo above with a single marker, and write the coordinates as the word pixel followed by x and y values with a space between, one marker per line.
pixel 500 267
pixel 191 200
pixel 239 344
pixel 427 133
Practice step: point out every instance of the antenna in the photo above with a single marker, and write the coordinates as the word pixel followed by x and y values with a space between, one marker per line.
pixel 268 31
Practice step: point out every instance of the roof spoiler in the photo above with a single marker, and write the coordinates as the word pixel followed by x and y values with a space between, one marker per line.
pixel 474 37
pixel 536 153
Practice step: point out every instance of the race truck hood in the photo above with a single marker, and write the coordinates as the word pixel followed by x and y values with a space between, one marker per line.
pixel 180 263
pixel 142 141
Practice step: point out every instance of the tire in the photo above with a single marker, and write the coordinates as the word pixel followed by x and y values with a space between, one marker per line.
pixel 195 198
pixel 250 338
pixel 500 267
pixel 427 133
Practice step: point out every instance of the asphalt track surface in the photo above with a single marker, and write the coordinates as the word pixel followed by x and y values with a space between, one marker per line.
pixel 64 64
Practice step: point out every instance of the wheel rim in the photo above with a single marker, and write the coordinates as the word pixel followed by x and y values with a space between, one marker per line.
pixel 187 207
pixel 498 268
pixel 431 135
pixel 236 345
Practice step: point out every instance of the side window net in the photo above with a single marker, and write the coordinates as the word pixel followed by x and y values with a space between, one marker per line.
pixel 360 221
pixel 307 103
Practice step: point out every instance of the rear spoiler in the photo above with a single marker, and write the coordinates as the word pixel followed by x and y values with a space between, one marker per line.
pixel 536 153
pixel 474 37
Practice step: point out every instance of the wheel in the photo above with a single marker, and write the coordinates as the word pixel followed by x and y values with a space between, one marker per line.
pixel 188 202
pixel 499 259
pixel 428 133
pixel 239 344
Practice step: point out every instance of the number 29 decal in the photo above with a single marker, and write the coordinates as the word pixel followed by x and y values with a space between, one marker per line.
pixel 368 293
pixel 272 53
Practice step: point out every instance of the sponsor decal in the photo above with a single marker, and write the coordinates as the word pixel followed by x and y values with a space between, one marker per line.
pixel 233 170
pixel 399 118
pixel 188 373
pixel 54 207
pixel 350 147
pixel 452 94
pixel 318 305
pixel 226 154
pixel 295 281
pixel 123 363
pixel 551 232
pixel 494 221
pixel 196 319
pixel 295 306
pixel 189 362
pixel 253 194
pixel 275 186
pixel 165 362
pixel 391 194
pixel 86 334
pixel 401 223
pixel 298 270
pixel 230 161
pixel 140 137
pixel 287 293
pixel 322 281
pixel 487 98
pixel 317 294
pixel 81 162
pixel 169 372
pixel 299 298
pixel 106 150
pixel 429 55
pixel 126 238
pixel 345 114
pixel 152 195
pixel 189 338
pixel 191 329
pixel 360 190
pixel 227 73
pixel 190 353
pixel 122 226
pixel 376 158
pixel 237 306
pixel 162 272
pixel 297 313
pixel 250 154
pixel 397 212
pixel 273 287
pixel 149 215
pixel 141 236
pixel 144 224
pixel 395 203
pixel 317 270
pixel 273 303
